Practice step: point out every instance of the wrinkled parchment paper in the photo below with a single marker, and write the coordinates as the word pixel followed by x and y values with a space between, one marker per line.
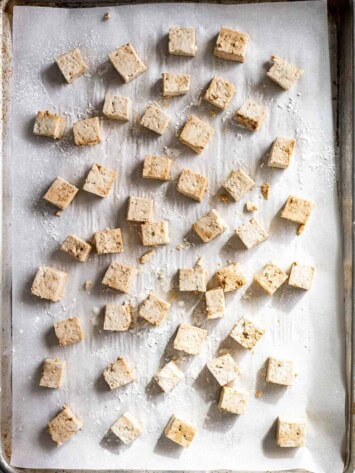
pixel 305 326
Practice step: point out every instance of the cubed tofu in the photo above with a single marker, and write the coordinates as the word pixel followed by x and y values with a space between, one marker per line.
pixel 64 426
pixel 75 247
pixel 127 428
pixel 196 134
pixel 291 431
pixel 224 369
pixel 87 132
pixel 175 84
pixel 280 371
pixel 251 115
pixel 61 193
pixel 230 278
pixel 180 431
pixel 52 374
pixel 155 233
pixel 190 339
pixel 118 374
pixel 283 73
pixel 119 276
pixel 50 125
pixel 233 400
pixel 108 241
pixel 251 233
pixel 71 65
pixel 117 107
pixel 238 184
pixel 220 92
pixel 270 278
pixel 301 276
pixel 281 152
pixel 154 309
pixel 169 376
pixel 155 119
pixel 192 184
pixel 127 63
pixel 68 331
pixel 209 226
pixel 182 41
pixel 157 167
pixel 192 279
pixel 49 283
pixel 231 45
pixel 140 209
pixel 99 180
pixel 246 333
pixel 118 317
pixel 215 304
pixel 297 210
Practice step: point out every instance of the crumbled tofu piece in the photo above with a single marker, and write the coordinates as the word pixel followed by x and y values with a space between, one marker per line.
pixel 49 283
pixel 246 333
pixel 280 371
pixel 215 304
pixel 283 73
pixel 230 278
pixel 180 432
pixel 209 226
pixel 193 279
pixel 251 115
pixel 301 276
pixel 224 369
pixel 231 45
pixel 182 41
pixel 157 167
pixel 77 248
pixel 49 124
pixel 190 339
pixel 219 93
pixel 297 210
pixel 118 374
pixel 192 184
pixel 291 432
pixel 106 16
pixel 265 190
pixel 146 257
pixel 270 278
pixel 99 180
pixel 117 107
pixel 154 309
pixel 127 63
pixel 71 65
pixel 118 318
pixel 300 229
pixel 64 426
pixel 175 84
pixel 108 241
pixel 119 276
pixel 281 152
pixel 127 428
pixel 251 206
pixel 251 233
pixel 196 134
pixel 155 233
pixel 68 331
pixel 140 209
pixel 155 119
pixel 87 132
pixel 233 400
pixel 61 193
pixel 52 375
pixel 169 376
pixel 238 184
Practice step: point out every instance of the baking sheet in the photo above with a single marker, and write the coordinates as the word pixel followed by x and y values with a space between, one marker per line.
pixel 307 327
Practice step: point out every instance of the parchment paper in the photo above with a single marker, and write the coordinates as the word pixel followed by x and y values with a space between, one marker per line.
pixel 304 326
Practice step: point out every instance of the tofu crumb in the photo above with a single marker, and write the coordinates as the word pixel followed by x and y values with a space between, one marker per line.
pixel 251 206
pixel 265 190
pixel 106 16
pixel 146 257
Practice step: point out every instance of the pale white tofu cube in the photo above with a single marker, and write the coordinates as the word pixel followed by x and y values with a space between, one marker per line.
pixel 49 283
pixel 182 41
pixel 108 241
pixel 231 45
pixel 251 233
pixel 220 92
pixel 233 400
pixel 87 132
pixel 155 233
pixel 192 279
pixel 209 226
pixel 50 125
pixel 246 333
pixel 77 248
pixel 116 107
pixel 140 209
pixel 251 115
pixel 68 331
pixel 154 309
pixel 280 371
pixel 297 210
pixel 180 431
pixel 230 278
pixel 99 180
pixel 196 134
pixel 190 339
pixel 127 63
pixel 155 119
pixel 127 428
pixel 291 432
pixel 64 425
pixel 169 376
pixel 52 374
pixel 281 152
pixel 71 65
pixel 270 278
pixel 301 276
pixel 224 369
pixel 192 184
pixel 61 193
pixel 215 304
pixel 283 73
pixel 119 276
pixel 238 184
pixel 175 84
pixel 118 374
pixel 157 167
pixel 118 318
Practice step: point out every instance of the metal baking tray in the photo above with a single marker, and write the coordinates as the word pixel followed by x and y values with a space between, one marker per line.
pixel 341 15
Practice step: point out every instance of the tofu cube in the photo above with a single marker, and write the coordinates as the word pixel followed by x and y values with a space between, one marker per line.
pixel 238 184
pixel 190 339
pixel 108 241
pixel 71 65
pixel 270 278
pixel 209 226
pixel 215 304
pixel 52 375
pixel 140 209
pixel 291 432
pixel 280 372
pixel 87 132
pixel 219 93
pixel 230 278
pixel 99 180
pixel 251 115
pixel 155 119
pixel 68 331
pixel 283 73
pixel 127 428
pixel 251 233
pixel 118 318
pixel 119 276
pixel 118 374
pixel 169 376
pixel 117 107
pixel 154 309
pixel 64 426
pixel 127 63
pixel 75 247
pixel 196 134
pixel 157 167
pixel 155 233
pixel 231 45
pixel 233 400
pixel 192 279
pixel 301 276
pixel 61 193
pixel 182 41
pixel 281 152
pixel 49 283
pixel 180 432
pixel 175 84
pixel 246 333
pixel 297 210
pixel 192 184
pixel 224 369
pixel 49 124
